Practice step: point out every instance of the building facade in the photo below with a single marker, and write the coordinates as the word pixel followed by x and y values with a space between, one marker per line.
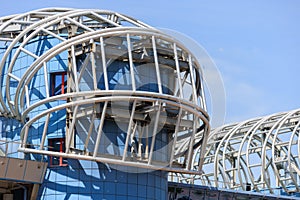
pixel 95 104
pixel 98 105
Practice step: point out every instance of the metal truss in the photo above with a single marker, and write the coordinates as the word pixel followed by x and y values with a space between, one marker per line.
pixel 260 154
pixel 102 38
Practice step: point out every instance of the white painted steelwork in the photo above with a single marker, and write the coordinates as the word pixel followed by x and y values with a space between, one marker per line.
pixel 105 37
pixel 261 153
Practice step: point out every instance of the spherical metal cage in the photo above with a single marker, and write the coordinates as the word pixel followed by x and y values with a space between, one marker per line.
pixel 116 72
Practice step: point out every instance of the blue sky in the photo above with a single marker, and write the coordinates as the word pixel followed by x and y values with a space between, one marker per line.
pixel 255 44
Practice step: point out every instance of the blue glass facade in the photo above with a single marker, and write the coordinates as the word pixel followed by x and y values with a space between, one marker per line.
pixel 92 180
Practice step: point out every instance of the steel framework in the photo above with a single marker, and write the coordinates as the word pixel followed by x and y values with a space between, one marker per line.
pixel 260 154
pixel 105 37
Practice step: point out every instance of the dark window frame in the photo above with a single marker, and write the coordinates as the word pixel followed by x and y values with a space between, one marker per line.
pixel 52 146
pixel 63 84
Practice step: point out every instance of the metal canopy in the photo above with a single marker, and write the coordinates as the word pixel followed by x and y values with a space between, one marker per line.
pixel 260 154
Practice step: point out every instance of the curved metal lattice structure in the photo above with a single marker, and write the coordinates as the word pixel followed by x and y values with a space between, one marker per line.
pixel 118 71
pixel 260 154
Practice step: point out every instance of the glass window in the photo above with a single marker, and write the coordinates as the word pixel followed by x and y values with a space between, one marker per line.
pixel 57 145
pixel 58 83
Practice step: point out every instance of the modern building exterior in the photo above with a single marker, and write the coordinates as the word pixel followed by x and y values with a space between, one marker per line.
pixel 98 105
pixel 95 105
